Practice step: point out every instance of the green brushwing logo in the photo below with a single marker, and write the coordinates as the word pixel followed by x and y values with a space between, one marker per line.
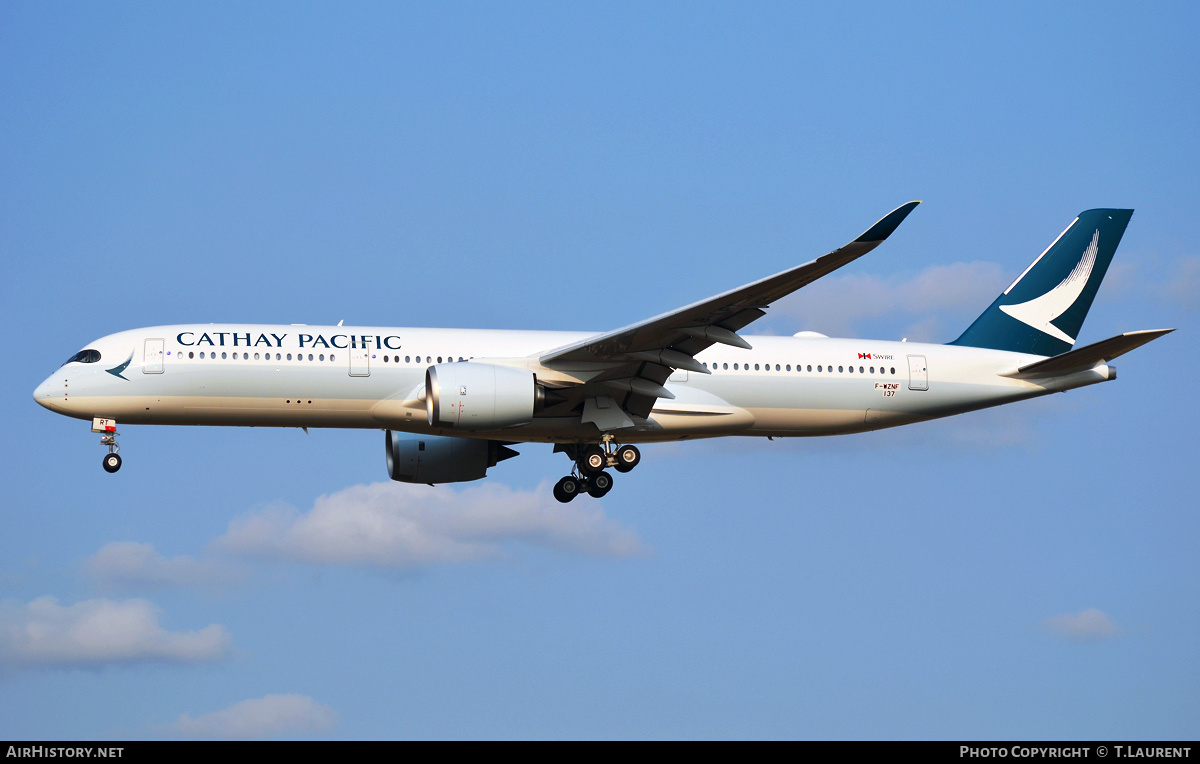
pixel 116 371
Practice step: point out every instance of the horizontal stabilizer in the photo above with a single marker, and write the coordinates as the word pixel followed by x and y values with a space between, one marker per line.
pixel 1089 356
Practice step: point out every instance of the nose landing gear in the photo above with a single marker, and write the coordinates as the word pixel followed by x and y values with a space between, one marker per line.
pixel 108 430
pixel 589 474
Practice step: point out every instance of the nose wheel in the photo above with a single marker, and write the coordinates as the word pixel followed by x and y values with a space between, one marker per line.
pixel 108 437
pixel 589 475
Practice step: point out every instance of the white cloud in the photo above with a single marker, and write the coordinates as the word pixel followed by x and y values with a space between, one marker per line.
pixel 97 632
pixel 124 564
pixel 835 304
pixel 1172 280
pixel 261 717
pixel 1183 285
pixel 1086 626
pixel 399 525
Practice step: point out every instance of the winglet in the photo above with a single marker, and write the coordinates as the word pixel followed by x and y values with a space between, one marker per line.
pixel 889 223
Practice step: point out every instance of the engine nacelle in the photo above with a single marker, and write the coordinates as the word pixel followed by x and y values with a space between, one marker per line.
pixel 437 459
pixel 478 396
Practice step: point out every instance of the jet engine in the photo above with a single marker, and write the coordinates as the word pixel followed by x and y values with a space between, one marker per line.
pixel 478 396
pixel 437 459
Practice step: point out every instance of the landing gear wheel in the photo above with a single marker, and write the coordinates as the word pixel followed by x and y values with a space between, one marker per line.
pixel 599 484
pixel 627 458
pixel 112 462
pixel 594 460
pixel 566 489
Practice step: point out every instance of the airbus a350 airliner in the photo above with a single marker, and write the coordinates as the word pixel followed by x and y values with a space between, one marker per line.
pixel 451 401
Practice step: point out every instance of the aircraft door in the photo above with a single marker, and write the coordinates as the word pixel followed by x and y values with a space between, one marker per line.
pixel 153 360
pixel 918 373
pixel 360 362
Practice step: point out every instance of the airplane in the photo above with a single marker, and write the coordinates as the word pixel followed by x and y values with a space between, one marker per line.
pixel 451 401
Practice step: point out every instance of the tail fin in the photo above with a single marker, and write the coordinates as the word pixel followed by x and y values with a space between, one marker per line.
pixel 1042 311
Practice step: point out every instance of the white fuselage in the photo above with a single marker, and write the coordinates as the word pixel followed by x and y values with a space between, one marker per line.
pixel 373 377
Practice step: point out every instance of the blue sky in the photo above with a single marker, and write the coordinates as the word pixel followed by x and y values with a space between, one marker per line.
pixel 1025 572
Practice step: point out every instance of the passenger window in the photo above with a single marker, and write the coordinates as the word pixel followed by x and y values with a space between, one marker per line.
pixel 310 356
pixel 289 356
pixel 851 369
pixel 407 359
pixel 756 367
pixel 810 367
pixel 789 367
pixel 818 367
pixel 190 355
pixel 323 357
pixel 839 370
pixel 893 369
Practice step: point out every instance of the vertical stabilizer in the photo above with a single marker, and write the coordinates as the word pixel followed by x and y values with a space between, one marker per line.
pixel 1043 310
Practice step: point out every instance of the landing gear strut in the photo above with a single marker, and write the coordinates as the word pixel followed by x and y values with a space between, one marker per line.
pixel 108 437
pixel 589 474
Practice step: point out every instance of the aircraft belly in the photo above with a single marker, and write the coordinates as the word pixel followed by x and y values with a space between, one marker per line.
pixel 235 411
pixel 694 422
pixel 808 421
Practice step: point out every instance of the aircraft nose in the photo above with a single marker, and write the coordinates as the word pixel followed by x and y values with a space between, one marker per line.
pixel 49 392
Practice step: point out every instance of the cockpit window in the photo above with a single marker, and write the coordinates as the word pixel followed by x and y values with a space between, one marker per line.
pixel 84 356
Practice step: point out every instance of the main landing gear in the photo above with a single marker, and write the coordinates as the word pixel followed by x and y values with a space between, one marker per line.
pixel 108 437
pixel 589 476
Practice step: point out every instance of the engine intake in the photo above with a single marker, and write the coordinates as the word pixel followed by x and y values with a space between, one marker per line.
pixel 478 396
pixel 438 459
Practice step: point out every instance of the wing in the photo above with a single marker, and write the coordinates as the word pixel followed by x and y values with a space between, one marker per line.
pixel 630 365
